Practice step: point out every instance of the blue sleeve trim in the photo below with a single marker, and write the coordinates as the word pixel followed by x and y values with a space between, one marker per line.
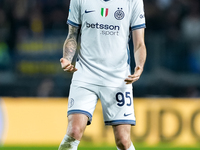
pixel 77 111
pixel 138 27
pixel 117 122
pixel 73 24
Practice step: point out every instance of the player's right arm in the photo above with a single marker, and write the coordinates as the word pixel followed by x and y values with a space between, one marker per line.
pixel 69 49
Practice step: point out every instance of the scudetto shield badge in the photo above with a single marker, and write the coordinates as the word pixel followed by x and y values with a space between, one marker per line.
pixel 104 12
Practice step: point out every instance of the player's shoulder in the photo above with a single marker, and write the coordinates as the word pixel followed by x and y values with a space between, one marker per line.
pixel 135 1
pixel 75 1
pixel 82 1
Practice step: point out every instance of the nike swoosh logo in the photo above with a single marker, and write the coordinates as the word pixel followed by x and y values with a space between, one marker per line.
pixel 86 11
pixel 125 115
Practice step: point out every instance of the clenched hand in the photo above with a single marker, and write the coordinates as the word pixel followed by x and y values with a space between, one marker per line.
pixel 67 66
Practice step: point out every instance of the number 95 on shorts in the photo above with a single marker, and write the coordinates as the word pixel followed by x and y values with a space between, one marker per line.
pixel 117 103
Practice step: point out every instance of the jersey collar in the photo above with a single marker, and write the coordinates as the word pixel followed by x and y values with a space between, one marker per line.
pixel 106 1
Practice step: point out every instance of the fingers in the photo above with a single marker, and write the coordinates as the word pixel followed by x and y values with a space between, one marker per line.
pixel 135 76
pixel 73 69
pixel 131 79
pixel 67 66
pixel 70 68
pixel 61 60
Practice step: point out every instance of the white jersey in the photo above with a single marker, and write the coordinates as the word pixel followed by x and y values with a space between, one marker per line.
pixel 105 27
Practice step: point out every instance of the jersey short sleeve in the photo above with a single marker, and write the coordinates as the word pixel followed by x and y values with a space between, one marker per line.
pixel 138 16
pixel 74 17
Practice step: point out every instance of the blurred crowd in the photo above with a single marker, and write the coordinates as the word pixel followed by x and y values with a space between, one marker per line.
pixel 179 22
pixel 173 28
pixel 21 19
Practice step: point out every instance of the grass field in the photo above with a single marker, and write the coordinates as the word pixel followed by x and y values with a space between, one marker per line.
pixel 93 148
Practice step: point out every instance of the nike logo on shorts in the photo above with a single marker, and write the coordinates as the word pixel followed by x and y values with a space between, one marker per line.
pixel 125 115
pixel 86 11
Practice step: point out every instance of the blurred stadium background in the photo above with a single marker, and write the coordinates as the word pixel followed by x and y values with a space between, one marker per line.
pixel 32 33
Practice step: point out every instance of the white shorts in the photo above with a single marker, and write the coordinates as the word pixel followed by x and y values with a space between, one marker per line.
pixel 117 103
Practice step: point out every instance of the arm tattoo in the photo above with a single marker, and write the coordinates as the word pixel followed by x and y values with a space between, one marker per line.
pixel 70 44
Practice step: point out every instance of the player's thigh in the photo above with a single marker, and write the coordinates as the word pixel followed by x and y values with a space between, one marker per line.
pixel 82 100
pixel 117 104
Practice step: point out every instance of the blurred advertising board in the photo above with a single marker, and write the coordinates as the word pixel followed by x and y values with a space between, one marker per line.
pixel 43 121
pixel 39 56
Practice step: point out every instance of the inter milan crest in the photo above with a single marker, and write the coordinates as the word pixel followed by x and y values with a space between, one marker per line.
pixel 71 102
pixel 119 14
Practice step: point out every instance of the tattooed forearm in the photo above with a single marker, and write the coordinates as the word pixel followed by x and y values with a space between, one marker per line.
pixel 70 45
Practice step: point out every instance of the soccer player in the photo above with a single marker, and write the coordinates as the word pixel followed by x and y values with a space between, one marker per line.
pixel 102 68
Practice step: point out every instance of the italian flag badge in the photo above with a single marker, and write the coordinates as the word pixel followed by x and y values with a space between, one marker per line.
pixel 104 12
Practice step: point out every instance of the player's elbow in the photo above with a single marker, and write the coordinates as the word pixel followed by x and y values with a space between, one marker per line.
pixel 139 45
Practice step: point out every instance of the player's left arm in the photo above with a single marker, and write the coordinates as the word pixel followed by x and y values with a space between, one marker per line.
pixel 139 54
